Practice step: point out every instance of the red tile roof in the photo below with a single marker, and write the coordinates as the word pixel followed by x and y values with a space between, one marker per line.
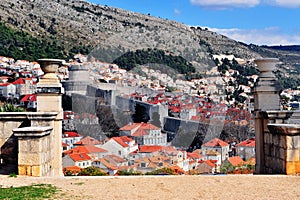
pixel 85 149
pixel 115 158
pixel 216 142
pixel 130 126
pixel 140 129
pixel 4 84
pixel 88 141
pixel 236 160
pixel 148 126
pixel 150 149
pixel 106 163
pixel 145 126
pixel 194 155
pixel 73 168
pixel 64 144
pixel 208 162
pixel 126 139
pixel 29 97
pixel 140 132
pixel 71 134
pixel 247 143
pixel 79 156
pixel 120 141
pixel 19 81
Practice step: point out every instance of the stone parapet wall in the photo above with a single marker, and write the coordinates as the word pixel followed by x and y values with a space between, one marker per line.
pixel 35 152
pixel 278 149
pixel 275 148
pixel 30 150
pixel 280 152
pixel 282 149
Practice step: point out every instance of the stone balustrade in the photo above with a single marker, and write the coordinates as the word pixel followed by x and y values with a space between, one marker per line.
pixel 35 155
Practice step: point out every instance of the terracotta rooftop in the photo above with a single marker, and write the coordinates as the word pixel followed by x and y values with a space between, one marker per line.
pixel 247 143
pixel 85 149
pixel 208 162
pixel 150 149
pixel 29 97
pixel 120 141
pixel 194 155
pixel 64 144
pixel 145 126
pixel 70 134
pixel 212 153
pixel 88 141
pixel 73 168
pixel 79 156
pixel 236 160
pixel 107 164
pixel 216 142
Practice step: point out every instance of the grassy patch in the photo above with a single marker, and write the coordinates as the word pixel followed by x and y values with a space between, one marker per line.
pixel 12 175
pixel 38 191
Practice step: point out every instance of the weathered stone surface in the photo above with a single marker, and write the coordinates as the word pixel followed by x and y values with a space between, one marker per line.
pixel 22 170
pixel 36 171
pixel 289 142
pixel 275 139
pixel 29 159
pixel 292 168
pixel 282 142
pixel 292 155
pixel 266 138
pixel 296 142
pixel 282 154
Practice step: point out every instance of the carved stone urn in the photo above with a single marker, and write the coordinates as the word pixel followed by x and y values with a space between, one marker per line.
pixel 267 89
pixel 266 66
pixel 49 67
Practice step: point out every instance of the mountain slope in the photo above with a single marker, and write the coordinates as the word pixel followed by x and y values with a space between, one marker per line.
pixel 112 32
pixel 84 23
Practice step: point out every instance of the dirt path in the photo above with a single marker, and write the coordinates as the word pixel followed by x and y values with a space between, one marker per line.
pixel 169 187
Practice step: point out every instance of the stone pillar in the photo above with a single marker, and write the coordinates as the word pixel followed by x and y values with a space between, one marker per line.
pixel 49 99
pixel 267 89
pixel 34 151
pixel 266 97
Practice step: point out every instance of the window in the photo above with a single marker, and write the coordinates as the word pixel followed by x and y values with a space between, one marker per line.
pixel 119 152
pixel 143 164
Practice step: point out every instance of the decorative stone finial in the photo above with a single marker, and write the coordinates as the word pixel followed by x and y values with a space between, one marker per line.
pixel 266 66
pixel 49 67
pixel 267 89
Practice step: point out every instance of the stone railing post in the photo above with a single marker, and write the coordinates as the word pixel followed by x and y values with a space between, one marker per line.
pixel 49 99
pixel 34 151
pixel 266 97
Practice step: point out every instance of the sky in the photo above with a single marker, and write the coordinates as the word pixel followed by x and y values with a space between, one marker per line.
pixel 261 22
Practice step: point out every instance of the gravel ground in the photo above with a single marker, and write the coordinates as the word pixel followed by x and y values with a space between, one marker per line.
pixel 168 187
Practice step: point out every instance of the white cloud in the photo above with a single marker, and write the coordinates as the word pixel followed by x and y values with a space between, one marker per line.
pixel 284 3
pixel 267 36
pixel 177 12
pixel 223 4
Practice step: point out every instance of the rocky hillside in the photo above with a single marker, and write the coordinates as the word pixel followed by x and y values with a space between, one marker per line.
pixel 112 32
